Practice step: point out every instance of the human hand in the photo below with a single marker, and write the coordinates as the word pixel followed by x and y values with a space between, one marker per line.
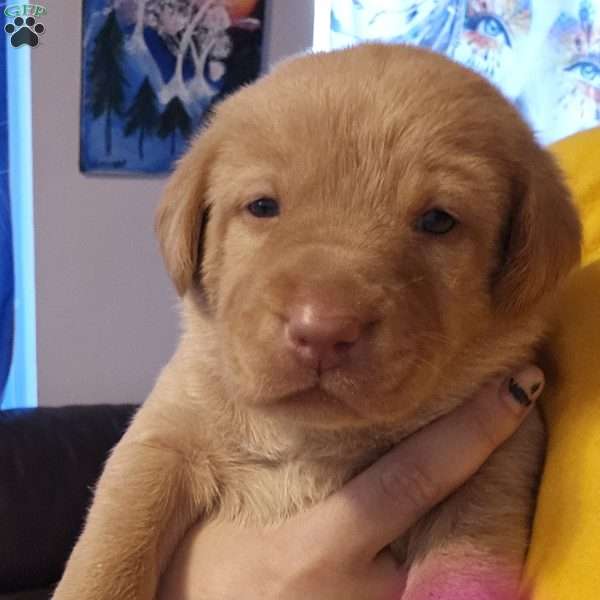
pixel 337 549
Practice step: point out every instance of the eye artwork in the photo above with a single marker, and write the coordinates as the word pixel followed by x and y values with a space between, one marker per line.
pixel 545 56
pixel 492 40
pixel 574 45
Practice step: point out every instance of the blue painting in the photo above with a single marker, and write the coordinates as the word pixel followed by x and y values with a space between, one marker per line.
pixel 152 70
pixel 544 55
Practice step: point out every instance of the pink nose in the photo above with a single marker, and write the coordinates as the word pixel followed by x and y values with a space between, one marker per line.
pixel 321 338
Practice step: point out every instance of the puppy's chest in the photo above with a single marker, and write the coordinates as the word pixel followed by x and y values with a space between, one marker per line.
pixel 259 491
pixel 263 493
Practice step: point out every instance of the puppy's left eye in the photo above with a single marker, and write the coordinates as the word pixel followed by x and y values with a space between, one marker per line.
pixel 264 208
pixel 436 221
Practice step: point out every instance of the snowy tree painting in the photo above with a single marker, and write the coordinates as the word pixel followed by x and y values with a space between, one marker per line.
pixel 152 69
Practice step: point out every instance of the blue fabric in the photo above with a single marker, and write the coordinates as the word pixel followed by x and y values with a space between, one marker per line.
pixel 6 255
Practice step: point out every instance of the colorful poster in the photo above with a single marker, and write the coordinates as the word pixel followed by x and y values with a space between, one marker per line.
pixel 152 69
pixel 545 56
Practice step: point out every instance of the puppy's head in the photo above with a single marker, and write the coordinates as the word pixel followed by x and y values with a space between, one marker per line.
pixel 368 234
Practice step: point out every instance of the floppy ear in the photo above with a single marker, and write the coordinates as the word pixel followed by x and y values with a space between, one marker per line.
pixel 543 236
pixel 182 213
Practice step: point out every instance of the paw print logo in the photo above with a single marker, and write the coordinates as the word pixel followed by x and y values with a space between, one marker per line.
pixel 24 31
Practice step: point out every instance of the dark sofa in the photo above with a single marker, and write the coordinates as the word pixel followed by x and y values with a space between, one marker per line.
pixel 50 459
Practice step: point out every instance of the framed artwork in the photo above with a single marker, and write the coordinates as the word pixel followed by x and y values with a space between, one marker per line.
pixel 152 70
pixel 544 55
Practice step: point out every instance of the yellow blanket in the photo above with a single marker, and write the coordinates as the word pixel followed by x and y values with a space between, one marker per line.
pixel 564 559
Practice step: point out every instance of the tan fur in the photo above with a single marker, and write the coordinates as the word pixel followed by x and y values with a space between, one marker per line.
pixel 356 145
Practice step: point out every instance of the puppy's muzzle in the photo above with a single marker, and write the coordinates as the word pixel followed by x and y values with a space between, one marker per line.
pixel 322 334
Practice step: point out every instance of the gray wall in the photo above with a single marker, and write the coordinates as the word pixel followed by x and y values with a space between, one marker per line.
pixel 106 312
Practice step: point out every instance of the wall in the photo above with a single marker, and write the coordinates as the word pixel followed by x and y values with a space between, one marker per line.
pixel 106 312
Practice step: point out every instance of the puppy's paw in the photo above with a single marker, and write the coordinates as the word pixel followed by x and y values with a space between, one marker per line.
pixel 450 576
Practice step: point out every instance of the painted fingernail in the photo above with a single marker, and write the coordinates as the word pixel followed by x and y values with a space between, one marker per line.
pixel 526 386
pixel 535 387
pixel 518 393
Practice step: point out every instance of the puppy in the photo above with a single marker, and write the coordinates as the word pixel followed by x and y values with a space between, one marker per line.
pixel 361 239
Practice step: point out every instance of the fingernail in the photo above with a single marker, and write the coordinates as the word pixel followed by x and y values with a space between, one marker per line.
pixel 526 386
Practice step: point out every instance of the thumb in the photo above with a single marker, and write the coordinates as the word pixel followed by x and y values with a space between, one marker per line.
pixel 384 501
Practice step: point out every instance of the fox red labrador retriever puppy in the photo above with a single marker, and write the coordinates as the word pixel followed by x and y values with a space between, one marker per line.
pixel 360 239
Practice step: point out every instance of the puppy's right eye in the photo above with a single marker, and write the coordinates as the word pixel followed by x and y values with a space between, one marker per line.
pixel 436 221
pixel 264 208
